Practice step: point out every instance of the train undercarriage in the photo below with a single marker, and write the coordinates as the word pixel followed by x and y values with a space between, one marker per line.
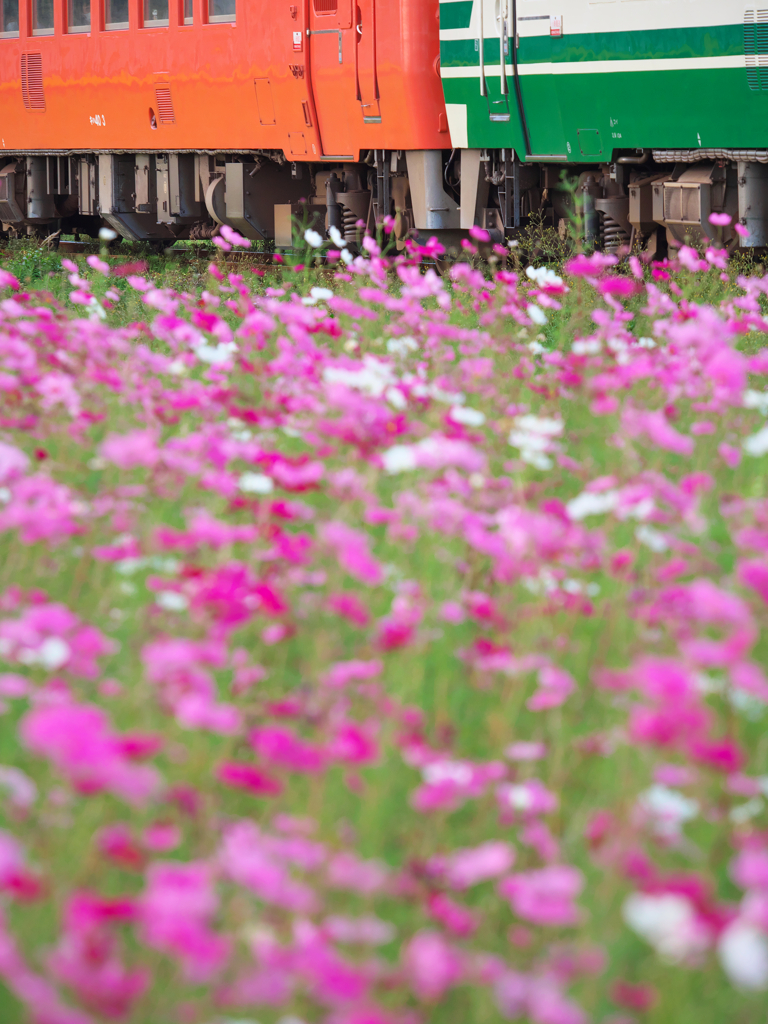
pixel 642 200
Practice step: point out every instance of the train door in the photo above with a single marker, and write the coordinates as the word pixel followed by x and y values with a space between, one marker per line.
pixel 365 61
pixel 537 32
pixel 496 81
pixel 332 60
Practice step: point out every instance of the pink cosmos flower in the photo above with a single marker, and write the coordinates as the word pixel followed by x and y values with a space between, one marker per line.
pixel 245 776
pixel 348 871
pixel 525 800
pixel 754 573
pixel 354 744
pixel 349 606
pixel 751 679
pixel 590 266
pixel 730 455
pixel 458 919
pixel 537 997
pixel 750 868
pixel 254 861
pixel 352 550
pixel 432 964
pixel 78 740
pixel 342 673
pixel 690 260
pixel 555 686
pixel 7 280
pixel 13 463
pixel 88 956
pixel 656 427
pixel 117 844
pixel 36 992
pixel 175 914
pixel 545 896
pixel 95 263
pixel 282 748
pixel 525 751
pixel 465 868
pixel 161 837
pixel 136 448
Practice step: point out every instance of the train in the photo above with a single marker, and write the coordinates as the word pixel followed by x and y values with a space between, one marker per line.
pixel 165 119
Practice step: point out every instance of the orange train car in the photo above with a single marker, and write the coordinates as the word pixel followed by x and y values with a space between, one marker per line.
pixel 166 118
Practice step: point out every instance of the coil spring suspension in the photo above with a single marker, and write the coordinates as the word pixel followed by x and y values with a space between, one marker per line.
pixel 348 222
pixel 612 235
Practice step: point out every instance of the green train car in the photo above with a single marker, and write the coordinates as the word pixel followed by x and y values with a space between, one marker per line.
pixel 657 110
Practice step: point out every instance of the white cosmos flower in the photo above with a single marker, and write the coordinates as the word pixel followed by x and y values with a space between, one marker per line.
pixel 743 952
pixel 668 808
pixel 255 483
pixel 756 400
pixel 652 539
pixel 586 346
pixel 51 655
pixel 468 417
pixel 592 504
pixel 534 436
pixel 313 238
pixel 446 771
pixel 22 790
pixel 172 601
pixel 640 510
pixel 546 425
pixel 336 237
pixel 399 458
pixel 537 314
pixel 372 378
pixel 757 444
pixel 743 813
pixel 446 397
pixel 317 295
pixel 396 398
pixel 519 797
pixel 542 276
pixel 667 922
pixel 216 355
pixel 401 346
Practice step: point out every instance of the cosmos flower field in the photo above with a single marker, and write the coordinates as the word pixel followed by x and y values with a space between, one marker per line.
pixel 385 647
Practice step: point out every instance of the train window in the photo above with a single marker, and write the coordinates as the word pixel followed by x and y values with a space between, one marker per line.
pixel 187 12
pixel 42 17
pixel 155 12
pixel 221 10
pixel 115 14
pixel 9 18
pixel 79 15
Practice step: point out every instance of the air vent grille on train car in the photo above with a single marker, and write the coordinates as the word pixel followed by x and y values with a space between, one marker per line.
pixel 326 6
pixel 756 48
pixel 165 111
pixel 32 81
